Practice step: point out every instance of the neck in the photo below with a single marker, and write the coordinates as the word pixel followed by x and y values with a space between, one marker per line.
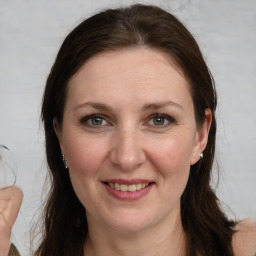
pixel 165 238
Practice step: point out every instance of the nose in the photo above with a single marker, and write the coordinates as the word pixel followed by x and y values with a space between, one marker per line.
pixel 127 152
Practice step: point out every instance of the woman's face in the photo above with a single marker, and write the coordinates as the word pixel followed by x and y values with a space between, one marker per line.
pixel 129 136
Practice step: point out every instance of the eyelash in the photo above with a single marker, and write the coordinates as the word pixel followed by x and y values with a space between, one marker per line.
pixel 85 120
pixel 167 118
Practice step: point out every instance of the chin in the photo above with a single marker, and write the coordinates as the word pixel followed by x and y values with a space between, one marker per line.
pixel 128 228
pixel 128 222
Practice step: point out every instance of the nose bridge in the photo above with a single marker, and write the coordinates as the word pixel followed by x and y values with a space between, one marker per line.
pixel 127 152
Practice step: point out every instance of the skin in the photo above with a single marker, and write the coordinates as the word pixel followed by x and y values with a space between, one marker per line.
pixel 129 88
pixel 244 240
pixel 10 202
pixel 128 144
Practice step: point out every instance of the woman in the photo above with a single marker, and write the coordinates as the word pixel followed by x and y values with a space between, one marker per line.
pixel 130 105
pixel 129 116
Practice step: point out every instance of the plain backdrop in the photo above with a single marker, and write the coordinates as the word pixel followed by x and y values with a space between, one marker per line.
pixel 31 33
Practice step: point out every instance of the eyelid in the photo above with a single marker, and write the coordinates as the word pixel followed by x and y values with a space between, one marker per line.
pixel 85 119
pixel 169 118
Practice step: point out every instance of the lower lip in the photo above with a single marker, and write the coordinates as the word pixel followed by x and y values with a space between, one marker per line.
pixel 128 196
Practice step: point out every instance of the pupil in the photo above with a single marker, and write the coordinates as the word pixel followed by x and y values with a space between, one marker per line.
pixel 158 121
pixel 97 121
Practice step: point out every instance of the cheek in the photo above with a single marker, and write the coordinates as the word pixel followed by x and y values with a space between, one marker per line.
pixel 171 160
pixel 85 159
pixel 172 156
pixel 84 155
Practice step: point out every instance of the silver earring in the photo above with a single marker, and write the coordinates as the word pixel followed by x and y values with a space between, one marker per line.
pixel 201 155
pixel 65 163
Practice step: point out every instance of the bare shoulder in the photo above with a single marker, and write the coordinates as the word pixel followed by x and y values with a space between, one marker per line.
pixel 244 240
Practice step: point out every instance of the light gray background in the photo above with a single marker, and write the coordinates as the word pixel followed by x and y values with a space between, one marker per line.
pixel 31 33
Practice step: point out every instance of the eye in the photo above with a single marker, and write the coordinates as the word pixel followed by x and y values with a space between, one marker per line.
pixel 161 120
pixel 94 121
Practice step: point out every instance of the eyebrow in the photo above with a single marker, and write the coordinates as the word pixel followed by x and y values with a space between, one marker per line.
pixel 96 105
pixel 157 105
pixel 146 107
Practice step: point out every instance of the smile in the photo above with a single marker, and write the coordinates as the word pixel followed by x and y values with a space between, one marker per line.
pixel 125 187
pixel 128 190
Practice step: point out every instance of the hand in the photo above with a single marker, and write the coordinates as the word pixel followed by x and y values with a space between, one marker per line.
pixel 10 202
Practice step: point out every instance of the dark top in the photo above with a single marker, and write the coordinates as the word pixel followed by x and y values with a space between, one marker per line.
pixel 13 251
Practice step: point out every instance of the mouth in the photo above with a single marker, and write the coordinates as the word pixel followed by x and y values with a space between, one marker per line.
pixel 128 190
pixel 128 187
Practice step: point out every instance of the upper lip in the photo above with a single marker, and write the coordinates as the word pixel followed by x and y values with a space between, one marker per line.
pixel 127 182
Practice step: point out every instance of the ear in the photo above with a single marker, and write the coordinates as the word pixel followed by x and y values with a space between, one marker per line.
pixel 58 132
pixel 201 137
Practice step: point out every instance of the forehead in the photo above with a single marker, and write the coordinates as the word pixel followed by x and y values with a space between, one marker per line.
pixel 139 73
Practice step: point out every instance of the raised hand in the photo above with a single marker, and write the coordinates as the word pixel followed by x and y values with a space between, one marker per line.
pixel 10 202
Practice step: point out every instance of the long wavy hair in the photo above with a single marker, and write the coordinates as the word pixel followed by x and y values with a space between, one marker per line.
pixel 64 226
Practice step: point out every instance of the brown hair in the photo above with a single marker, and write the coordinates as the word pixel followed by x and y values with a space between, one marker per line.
pixel 208 231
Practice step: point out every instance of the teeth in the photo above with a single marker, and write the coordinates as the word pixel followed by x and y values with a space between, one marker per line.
pixel 138 186
pixel 123 187
pixel 130 188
